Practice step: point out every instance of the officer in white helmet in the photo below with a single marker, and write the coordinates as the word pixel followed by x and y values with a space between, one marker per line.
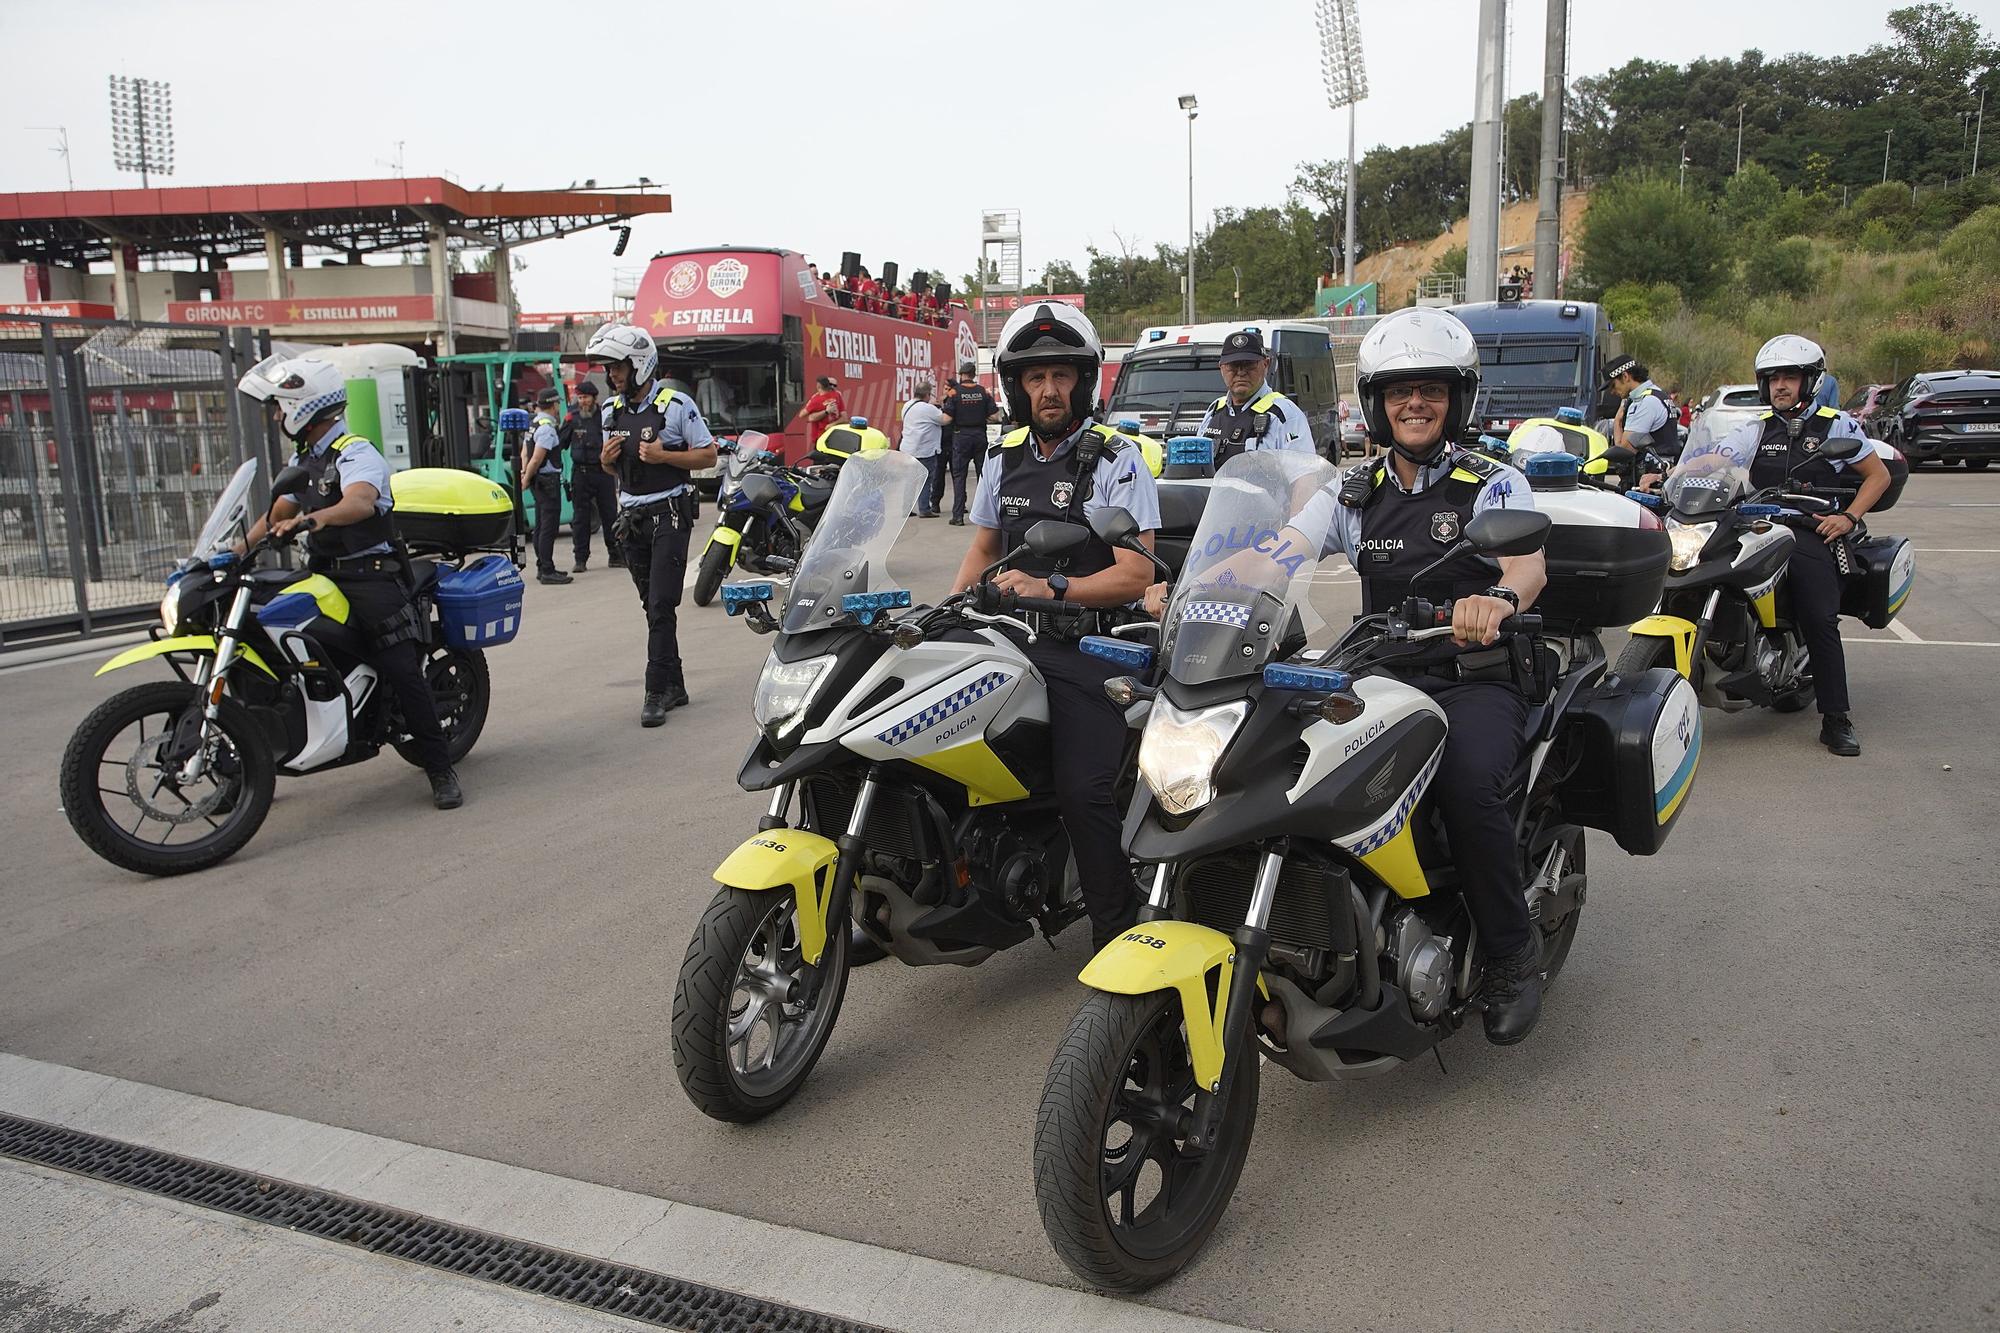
pixel 1417 375
pixel 344 513
pixel 1058 463
pixel 654 438
pixel 1781 448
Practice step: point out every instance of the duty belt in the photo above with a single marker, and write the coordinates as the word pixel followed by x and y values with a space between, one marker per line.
pixel 378 564
pixel 1068 626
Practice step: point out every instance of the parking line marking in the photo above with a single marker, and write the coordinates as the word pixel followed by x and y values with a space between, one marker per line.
pixel 1956 550
pixel 1927 643
pixel 1972 504
pixel 1904 632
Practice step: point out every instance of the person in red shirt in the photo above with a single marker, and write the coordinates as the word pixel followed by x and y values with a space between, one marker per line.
pixel 927 307
pixel 908 302
pixel 825 408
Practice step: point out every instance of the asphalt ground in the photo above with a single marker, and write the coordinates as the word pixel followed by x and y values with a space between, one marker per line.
pixel 1764 1094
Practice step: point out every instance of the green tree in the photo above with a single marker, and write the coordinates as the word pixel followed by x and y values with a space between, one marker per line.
pixel 1061 277
pixel 1641 229
pixel 1751 196
pixel 1771 266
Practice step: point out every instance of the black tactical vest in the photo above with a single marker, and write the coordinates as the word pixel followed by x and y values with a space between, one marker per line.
pixel 1030 489
pixel 1777 455
pixel 552 465
pixel 1401 533
pixel 583 436
pixel 323 492
pixel 971 406
pixel 1236 429
pixel 635 477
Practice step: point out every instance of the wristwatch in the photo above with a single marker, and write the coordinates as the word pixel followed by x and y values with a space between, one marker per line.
pixel 1058 586
pixel 1505 594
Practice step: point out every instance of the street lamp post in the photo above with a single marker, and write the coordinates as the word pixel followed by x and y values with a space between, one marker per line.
pixel 1681 187
pixel 1187 104
pixel 1887 139
pixel 1739 137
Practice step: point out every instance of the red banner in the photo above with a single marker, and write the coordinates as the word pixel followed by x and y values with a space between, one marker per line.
pixel 61 309
pixel 724 292
pixel 1015 300
pixel 304 310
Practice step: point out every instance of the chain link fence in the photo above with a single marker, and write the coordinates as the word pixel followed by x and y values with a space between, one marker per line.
pixel 115 440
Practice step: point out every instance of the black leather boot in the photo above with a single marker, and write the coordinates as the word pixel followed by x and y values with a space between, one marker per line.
pixel 653 713
pixel 445 791
pixel 1836 733
pixel 1512 991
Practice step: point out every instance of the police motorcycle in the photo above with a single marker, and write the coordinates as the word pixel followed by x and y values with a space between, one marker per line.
pixel 907 758
pixel 1725 620
pixel 176 776
pixel 765 513
pixel 1303 907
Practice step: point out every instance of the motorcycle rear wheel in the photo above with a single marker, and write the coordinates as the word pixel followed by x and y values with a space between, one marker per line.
pixel 463 688
pixel 231 809
pixel 1124 1205
pixel 714 568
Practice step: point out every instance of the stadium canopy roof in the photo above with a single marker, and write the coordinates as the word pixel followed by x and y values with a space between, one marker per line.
pixel 354 217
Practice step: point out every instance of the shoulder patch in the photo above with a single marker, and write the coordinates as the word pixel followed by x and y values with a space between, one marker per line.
pixel 665 397
pixel 1483 469
pixel 1014 438
pixel 1827 412
pixel 1114 443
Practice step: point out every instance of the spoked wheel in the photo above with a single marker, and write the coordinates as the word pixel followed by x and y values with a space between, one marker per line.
pixel 463 689
pixel 751 1016
pixel 131 789
pixel 1124 1202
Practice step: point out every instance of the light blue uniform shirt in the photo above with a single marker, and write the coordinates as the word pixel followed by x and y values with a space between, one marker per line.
pixel 1288 428
pixel 359 461
pixel 1648 414
pixel 684 426
pixel 1506 489
pixel 1121 481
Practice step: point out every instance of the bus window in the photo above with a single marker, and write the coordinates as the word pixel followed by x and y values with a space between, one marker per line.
pixel 732 395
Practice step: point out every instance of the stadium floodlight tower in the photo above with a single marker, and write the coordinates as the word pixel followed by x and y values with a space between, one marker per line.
pixel 142 127
pixel 1346 77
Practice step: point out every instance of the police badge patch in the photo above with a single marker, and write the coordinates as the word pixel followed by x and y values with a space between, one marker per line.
pixel 1062 494
pixel 1444 526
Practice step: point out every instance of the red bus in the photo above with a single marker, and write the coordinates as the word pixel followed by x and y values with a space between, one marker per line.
pixel 749 333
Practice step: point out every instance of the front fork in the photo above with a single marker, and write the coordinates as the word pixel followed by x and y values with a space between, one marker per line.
pixel 1702 625
pixel 193 729
pixel 1253 947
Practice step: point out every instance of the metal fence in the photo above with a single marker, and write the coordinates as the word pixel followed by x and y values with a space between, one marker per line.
pixel 115 440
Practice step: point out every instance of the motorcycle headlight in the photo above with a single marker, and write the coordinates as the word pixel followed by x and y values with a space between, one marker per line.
pixel 784 691
pixel 1179 751
pixel 170 605
pixel 1687 540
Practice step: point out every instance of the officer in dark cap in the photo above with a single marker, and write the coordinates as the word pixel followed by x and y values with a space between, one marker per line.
pixel 1251 414
pixel 593 492
pixel 541 476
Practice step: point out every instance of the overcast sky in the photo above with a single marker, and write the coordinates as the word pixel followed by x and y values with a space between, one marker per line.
pixel 819 127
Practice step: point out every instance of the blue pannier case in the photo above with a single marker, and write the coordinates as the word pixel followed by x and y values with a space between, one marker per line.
pixel 480 605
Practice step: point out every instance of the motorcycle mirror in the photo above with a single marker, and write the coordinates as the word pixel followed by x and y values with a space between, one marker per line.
pixel 1051 537
pixel 291 480
pixel 1618 455
pixel 1115 526
pixel 1508 531
pixel 1843 448
pixel 760 491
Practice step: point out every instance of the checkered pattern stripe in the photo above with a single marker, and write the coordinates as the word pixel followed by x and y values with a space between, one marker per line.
pixel 1401 814
pixel 1216 613
pixel 955 702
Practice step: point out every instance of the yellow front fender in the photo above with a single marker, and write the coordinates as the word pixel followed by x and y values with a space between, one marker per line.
pixel 186 643
pixel 1681 632
pixel 1156 955
pixel 788 858
pixel 725 534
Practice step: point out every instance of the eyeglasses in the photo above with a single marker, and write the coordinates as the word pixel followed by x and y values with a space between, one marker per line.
pixel 1431 391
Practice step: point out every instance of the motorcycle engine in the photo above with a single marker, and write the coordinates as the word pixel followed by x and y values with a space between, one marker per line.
pixel 1014 867
pixel 1423 965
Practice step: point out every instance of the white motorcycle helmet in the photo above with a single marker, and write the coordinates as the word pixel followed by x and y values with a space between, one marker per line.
pixel 624 342
pixel 303 387
pixel 1048 331
pixel 1537 438
pixel 1789 351
pixel 1418 344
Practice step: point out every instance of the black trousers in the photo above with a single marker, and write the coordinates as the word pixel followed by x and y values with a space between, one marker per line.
pixel 1814 583
pixel 548 517
pixel 964 449
pixel 1482 755
pixel 1087 738
pixel 594 504
pixel 656 554
pixel 932 494
pixel 373 602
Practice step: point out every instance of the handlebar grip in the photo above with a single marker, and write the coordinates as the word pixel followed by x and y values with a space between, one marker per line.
pixel 1525 623
pixel 1045 604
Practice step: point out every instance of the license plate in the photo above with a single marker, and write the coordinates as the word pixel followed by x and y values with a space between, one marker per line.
pixel 1981 427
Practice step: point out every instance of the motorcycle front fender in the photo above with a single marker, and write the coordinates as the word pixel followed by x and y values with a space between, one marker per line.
pixel 1174 955
pixel 185 643
pixel 1680 632
pixel 724 535
pixel 788 858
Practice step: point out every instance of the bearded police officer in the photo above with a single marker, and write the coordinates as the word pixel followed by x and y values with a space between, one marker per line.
pixel 1252 415
pixel 1059 464
pixel 541 476
pixel 593 494
pixel 653 439
pixel 351 539
pixel 1781 448
pixel 970 407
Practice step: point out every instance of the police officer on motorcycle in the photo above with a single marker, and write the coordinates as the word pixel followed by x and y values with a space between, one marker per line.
pixel 1781 449
pixel 593 495
pixel 654 439
pixel 344 514
pixel 970 407
pixel 1060 464
pixel 1251 414
pixel 541 474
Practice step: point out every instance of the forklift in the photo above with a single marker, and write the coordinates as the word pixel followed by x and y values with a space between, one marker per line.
pixel 467 419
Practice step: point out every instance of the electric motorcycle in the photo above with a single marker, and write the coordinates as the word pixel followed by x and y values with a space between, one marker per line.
pixel 1303 906
pixel 176 776
pixel 1725 620
pixel 765 513
pixel 908 765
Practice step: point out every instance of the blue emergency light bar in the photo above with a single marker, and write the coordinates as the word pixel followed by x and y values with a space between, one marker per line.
pixel 1155 335
pixel 1317 680
pixel 1760 511
pixel 1190 451
pixel 1570 416
pixel 865 606
pixel 516 418
pixel 1647 498
pixel 1131 656
pixel 1128 424
pixel 737 596
pixel 859 423
pixel 1553 465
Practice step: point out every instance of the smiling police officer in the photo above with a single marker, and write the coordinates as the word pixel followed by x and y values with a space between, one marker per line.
pixel 1252 415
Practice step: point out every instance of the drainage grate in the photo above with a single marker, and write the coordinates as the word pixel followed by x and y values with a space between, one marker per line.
pixel 632 1293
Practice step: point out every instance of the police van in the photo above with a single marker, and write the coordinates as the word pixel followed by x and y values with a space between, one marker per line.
pixel 1174 373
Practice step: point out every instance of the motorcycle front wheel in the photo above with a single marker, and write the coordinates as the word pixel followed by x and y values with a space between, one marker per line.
pixel 463 689
pixel 714 567
pixel 1124 1203
pixel 751 1016
pixel 123 795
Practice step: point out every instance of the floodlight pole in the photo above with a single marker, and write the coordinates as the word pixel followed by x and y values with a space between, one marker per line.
pixel 1347 246
pixel 1188 104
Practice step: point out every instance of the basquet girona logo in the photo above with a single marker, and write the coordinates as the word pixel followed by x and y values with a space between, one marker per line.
pixel 683 278
pixel 727 277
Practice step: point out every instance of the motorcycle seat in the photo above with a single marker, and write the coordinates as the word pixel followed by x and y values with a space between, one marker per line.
pixel 814 492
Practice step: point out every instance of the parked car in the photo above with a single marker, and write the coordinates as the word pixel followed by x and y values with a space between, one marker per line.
pixel 1353 430
pixel 1943 416
pixel 1729 407
pixel 1865 404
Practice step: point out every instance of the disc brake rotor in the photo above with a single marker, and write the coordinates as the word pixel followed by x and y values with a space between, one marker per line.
pixel 146 769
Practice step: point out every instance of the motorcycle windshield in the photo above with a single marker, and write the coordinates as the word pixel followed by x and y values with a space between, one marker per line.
pixel 230 518
pixel 1707 478
pixel 849 549
pixel 1249 565
pixel 751 447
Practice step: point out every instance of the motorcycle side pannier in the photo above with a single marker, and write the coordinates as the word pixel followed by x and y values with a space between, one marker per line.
pixel 446 510
pixel 1884 569
pixel 1606 556
pixel 1637 742
pixel 479 606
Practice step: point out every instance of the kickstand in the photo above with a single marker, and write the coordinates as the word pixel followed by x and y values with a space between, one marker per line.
pixel 1439 1053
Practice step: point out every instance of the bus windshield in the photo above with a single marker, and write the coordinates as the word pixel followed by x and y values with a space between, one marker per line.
pixel 732 394
pixel 1515 365
pixel 1163 380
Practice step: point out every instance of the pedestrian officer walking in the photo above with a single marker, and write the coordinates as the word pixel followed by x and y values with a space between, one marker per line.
pixel 351 539
pixel 653 439
pixel 924 424
pixel 970 407
pixel 593 494
pixel 1252 415
pixel 541 477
